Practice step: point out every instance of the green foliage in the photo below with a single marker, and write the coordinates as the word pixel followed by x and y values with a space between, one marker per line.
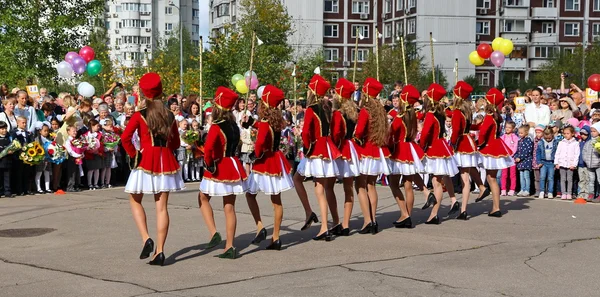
pixel 571 63
pixel 305 67
pixel 36 35
pixel 474 82
pixel 98 40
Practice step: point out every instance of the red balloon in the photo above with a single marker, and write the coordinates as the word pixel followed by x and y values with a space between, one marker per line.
pixel 484 50
pixel 87 53
pixel 594 82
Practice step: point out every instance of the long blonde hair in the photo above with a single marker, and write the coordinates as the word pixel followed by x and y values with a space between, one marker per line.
pixel 378 125
pixel 346 106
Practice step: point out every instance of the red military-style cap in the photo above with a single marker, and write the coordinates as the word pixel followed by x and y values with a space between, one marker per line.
pixel 150 85
pixel 372 87
pixel 225 98
pixel 410 94
pixel 436 92
pixel 272 96
pixel 448 111
pixel 319 85
pixel 344 88
pixel 494 96
pixel 462 90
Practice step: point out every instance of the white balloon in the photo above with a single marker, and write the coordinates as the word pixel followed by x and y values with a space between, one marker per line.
pixel 260 91
pixel 86 89
pixel 64 69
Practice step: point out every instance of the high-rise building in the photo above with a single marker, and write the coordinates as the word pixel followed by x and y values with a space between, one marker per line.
pixel 135 27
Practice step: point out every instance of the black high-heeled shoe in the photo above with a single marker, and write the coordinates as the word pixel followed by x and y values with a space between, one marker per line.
pixel 455 207
pixel 345 232
pixel 231 253
pixel 311 219
pixel 434 221
pixel 463 216
pixel 406 223
pixel 147 249
pixel 325 235
pixel 158 260
pixel 262 235
pixel 495 214
pixel 374 228
pixel 275 245
pixel 366 229
pixel 485 193
pixel 431 201
pixel 337 230
pixel 214 241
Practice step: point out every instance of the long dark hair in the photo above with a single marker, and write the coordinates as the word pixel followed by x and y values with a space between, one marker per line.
pixel 378 125
pixel 325 104
pixel 159 118
pixel 410 121
pixel 219 114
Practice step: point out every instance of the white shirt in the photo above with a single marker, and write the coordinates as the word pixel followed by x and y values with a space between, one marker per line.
pixel 537 114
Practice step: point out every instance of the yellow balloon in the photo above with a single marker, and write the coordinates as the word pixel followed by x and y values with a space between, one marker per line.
pixel 497 43
pixel 475 59
pixel 506 47
pixel 241 86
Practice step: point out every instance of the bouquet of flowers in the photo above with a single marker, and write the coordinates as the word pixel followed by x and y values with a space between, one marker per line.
pixel 79 145
pixel 52 135
pixel 253 134
pixel 111 140
pixel 191 137
pixel 597 145
pixel 284 145
pixel 13 147
pixel 32 154
pixel 93 143
pixel 55 153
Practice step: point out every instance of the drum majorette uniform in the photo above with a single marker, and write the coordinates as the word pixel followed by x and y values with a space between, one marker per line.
pixel 320 152
pixel 342 132
pixel 438 153
pixel 374 159
pixel 406 157
pixel 155 168
pixel 271 172
pixel 393 112
pixel 466 154
pixel 493 151
pixel 224 174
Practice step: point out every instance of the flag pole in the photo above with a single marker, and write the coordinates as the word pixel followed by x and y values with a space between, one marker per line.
pixel 377 50
pixel 432 61
pixel 200 85
pixel 251 62
pixel 355 57
pixel 404 59
pixel 295 95
pixel 456 69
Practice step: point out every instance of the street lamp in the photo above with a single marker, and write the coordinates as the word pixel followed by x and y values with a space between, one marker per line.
pixel 180 48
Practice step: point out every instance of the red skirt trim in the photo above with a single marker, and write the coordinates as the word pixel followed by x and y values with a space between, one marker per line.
pixel 158 160
pixel 229 170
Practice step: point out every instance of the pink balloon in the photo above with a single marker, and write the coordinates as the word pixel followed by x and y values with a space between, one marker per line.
pixel 252 83
pixel 497 58
pixel 87 53
pixel 70 56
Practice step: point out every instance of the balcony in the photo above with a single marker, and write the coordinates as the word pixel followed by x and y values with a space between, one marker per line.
pixel 537 37
pixel 536 64
pixel 544 13
pixel 515 64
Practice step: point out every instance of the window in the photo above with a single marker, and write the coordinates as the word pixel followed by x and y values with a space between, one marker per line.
pixel 118 41
pixel 483 78
pixel 400 28
pixel 195 13
pixel 484 4
pixel 514 26
pixel 335 76
pixel 482 28
pixel 569 50
pixel 399 5
pixel 233 8
pixel 596 29
pixel 168 27
pixel 332 6
pixel 120 25
pixel 412 3
pixel 543 52
pixel 134 56
pixel 107 25
pixel 571 29
pixel 572 5
pixel 145 40
pixel 363 54
pixel 195 28
pixel 144 23
pixel 331 54
pixel 359 7
pixel 596 5
pixel 144 7
pixel 387 30
pixel 547 27
pixel 388 6
pixel 131 6
pixel 412 26
pixel 168 10
pixel 331 30
pixel 548 3
pixel 362 29
pixel 223 10
pixel 513 3
pixel 118 8
pixel 131 23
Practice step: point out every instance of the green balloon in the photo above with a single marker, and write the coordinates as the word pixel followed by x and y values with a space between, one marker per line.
pixel 94 67
pixel 236 78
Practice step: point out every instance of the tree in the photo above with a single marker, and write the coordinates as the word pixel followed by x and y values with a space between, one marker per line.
pixel 37 34
pixel 98 40
pixel 571 63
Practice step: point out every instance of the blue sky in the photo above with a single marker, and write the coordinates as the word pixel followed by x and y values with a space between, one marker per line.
pixel 204 17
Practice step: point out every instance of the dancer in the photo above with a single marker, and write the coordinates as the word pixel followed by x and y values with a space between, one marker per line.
pixel 319 150
pixel 271 172
pixel 466 154
pixel 371 134
pixel 224 175
pixel 406 156
pixel 439 157
pixel 495 155
pixel 154 169
pixel 343 122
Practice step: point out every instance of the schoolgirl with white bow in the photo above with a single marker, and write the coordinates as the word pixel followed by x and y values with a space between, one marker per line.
pixel 42 135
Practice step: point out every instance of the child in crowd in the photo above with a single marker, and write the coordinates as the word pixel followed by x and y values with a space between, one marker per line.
pixel 566 159
pixel 182 155
pixel 546 151
pixel 247 146
pixel 523 158
pixel 108 159
pixel 591 158
pixel 539 134
pixel 93 156
pixel 194 164
pixel 556 130
pixel 44 167
pixel 72 167
pixel 511 140
pixel 6 161
pixel 582 171
pixel 21 171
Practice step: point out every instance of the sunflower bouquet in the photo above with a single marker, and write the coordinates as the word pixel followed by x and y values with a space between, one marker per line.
pixel 14 146
pixel 32 153
pixel 55 153
pixel 111 140
pixel 191 137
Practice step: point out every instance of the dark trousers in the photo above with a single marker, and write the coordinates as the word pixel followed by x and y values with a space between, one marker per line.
pixel 23 174
pixel 56 176
pixel 72 174
pixel 5 172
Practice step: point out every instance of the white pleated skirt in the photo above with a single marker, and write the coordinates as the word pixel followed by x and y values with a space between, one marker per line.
pixel 402 168
pixel 216 188
pixel 317 167
pixel 441 166
pixel 467 160
pixel 375 166
pixel 142 182
pixel 496 163
pixel 270 185
pixel 349 168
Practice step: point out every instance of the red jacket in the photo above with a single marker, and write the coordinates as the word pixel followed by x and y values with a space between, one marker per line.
pixel 367 147
pixel 489 145
pixel 342 130
pixel 157 153
pixel 266 148
pixel 315 134
pixel 219 153
pixel 399 147
pixel 432 140
pixel 461 139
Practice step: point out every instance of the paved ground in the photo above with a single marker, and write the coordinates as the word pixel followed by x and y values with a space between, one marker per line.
pixel 539 248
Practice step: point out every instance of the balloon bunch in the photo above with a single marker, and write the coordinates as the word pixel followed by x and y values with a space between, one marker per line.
pixel 79 63
pixel 497 52
pixel 245 83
